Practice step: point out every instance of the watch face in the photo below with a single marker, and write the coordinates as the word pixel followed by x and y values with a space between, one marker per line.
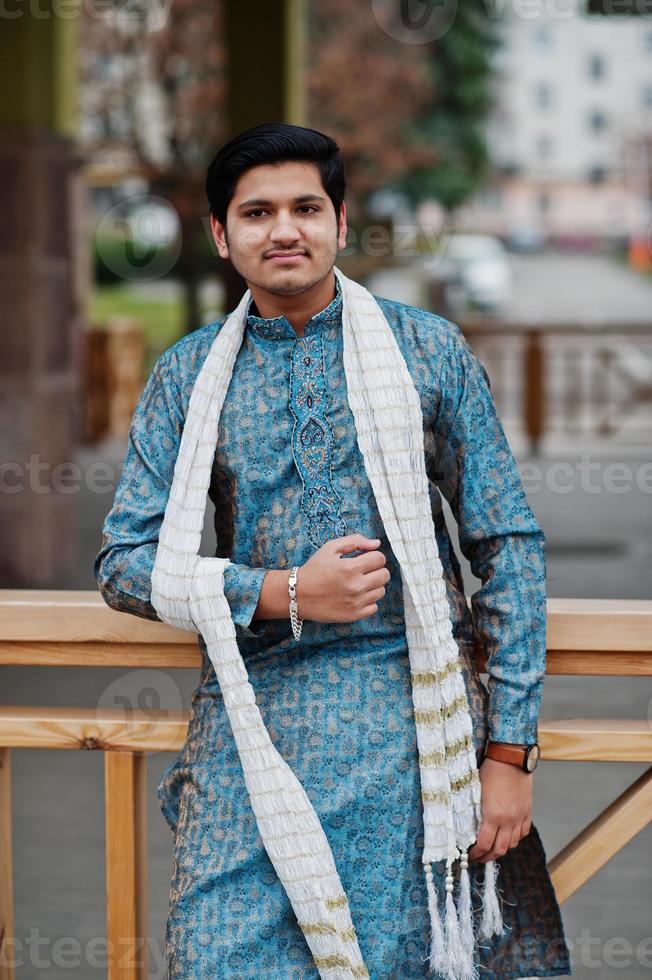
pixel 532 758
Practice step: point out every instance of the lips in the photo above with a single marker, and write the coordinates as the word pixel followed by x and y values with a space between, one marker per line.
pixel 286 255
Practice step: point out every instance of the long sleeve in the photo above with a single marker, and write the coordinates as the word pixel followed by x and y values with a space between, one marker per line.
pixel 123 567
pixel 499 536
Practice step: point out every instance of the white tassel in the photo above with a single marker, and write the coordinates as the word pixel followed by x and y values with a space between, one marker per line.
pixel 455 958
pixel 470 971
pixel 492 920
pixel 438 957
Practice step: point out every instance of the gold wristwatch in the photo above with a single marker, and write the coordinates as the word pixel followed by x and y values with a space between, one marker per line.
pixel 526 757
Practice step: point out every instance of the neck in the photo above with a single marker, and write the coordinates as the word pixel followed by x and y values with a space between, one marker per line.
pixel 299 308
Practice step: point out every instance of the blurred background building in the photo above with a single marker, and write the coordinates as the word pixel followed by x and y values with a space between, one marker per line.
pixel 498 165
pixel 569 132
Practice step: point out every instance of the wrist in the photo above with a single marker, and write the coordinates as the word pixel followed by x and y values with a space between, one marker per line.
pixel 273 602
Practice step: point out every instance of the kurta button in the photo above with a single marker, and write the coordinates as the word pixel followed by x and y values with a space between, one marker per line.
pixel 306 360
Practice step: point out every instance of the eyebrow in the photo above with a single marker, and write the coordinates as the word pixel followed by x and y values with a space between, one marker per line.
pixel 261 202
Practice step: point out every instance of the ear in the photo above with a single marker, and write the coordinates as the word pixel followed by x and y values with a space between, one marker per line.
pixel 341 227
pixel 219 236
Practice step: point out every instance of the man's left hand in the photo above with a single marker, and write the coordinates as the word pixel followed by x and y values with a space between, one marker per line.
pixel 506 809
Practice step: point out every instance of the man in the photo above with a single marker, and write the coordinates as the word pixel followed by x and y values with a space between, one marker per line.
pixel 290 489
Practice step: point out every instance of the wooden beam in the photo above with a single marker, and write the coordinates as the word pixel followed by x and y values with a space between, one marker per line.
pixel 104 729
pixel 603 838
pixel 126 865
pixel 46 628
pixel 596 740
pixel 107 729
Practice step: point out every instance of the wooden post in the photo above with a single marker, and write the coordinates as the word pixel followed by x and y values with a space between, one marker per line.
pixel 603 838
pixel 534 389
pixel 7 927
pixel 265 82
pixel 125 808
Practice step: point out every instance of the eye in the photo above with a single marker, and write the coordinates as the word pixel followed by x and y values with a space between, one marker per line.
pixel 308 207
pixel 252 214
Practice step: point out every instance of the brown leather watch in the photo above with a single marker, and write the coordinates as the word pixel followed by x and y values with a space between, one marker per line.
pixel 526 757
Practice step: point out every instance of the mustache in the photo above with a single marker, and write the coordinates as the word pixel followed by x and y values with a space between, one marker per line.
pixel 286 251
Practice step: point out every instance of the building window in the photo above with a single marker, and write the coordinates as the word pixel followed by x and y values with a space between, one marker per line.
pixel 597 66
pixel 648 41
pixel 544 147
pixel 646 97
pixel 543 38
pixel 543 95
pixel 597 174
pixel 597 121
pixel 543 201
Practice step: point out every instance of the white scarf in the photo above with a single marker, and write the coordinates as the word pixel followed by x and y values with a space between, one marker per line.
pixel 188 592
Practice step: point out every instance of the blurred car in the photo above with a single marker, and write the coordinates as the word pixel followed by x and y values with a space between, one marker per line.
pixel 476 272
pixel 525 238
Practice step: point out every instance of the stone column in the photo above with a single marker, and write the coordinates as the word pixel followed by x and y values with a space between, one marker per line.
pixel 43 289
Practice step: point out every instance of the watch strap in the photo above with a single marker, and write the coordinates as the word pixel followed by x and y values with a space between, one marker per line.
pixel 515 755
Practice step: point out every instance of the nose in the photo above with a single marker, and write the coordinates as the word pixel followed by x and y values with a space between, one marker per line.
pixel 284 231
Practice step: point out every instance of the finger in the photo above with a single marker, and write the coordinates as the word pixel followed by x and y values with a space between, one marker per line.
pixel 484 843
pixel 368 611
pixel 374 595
pixel 501 844
pixel 354 542
pixel 375 579
pixel 371 561
pixel 515 839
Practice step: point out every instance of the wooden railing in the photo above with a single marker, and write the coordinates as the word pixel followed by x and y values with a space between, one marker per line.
pixel 76 629
pixel 569 382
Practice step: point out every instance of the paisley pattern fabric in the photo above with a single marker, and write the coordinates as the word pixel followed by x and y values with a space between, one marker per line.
pixel 288 476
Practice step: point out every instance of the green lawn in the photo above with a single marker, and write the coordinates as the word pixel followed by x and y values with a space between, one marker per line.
pixel 161 320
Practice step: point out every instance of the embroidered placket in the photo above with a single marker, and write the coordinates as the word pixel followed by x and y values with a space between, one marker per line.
pixel 312 441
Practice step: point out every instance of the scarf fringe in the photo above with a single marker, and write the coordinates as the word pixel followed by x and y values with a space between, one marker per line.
pixel 491 923
pixel 452 939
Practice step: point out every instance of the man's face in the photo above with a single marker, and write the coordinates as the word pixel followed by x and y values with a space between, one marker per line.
pixel 281 233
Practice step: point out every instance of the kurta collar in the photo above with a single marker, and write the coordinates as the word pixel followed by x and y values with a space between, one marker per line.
pixel 280 328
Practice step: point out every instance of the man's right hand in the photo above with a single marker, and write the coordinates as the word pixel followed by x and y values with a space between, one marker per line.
pixel 330 590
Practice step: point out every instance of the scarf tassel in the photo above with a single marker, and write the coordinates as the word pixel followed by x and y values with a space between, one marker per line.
pixel 452 941
pixel 491 923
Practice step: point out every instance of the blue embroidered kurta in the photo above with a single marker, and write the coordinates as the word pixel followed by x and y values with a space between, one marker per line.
pixel 288 476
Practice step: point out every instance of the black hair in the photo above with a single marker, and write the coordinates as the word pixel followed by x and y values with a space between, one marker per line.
pixel 273 143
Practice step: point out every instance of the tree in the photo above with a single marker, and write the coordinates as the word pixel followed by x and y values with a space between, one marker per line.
pixel 453 122
pixel 153 92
